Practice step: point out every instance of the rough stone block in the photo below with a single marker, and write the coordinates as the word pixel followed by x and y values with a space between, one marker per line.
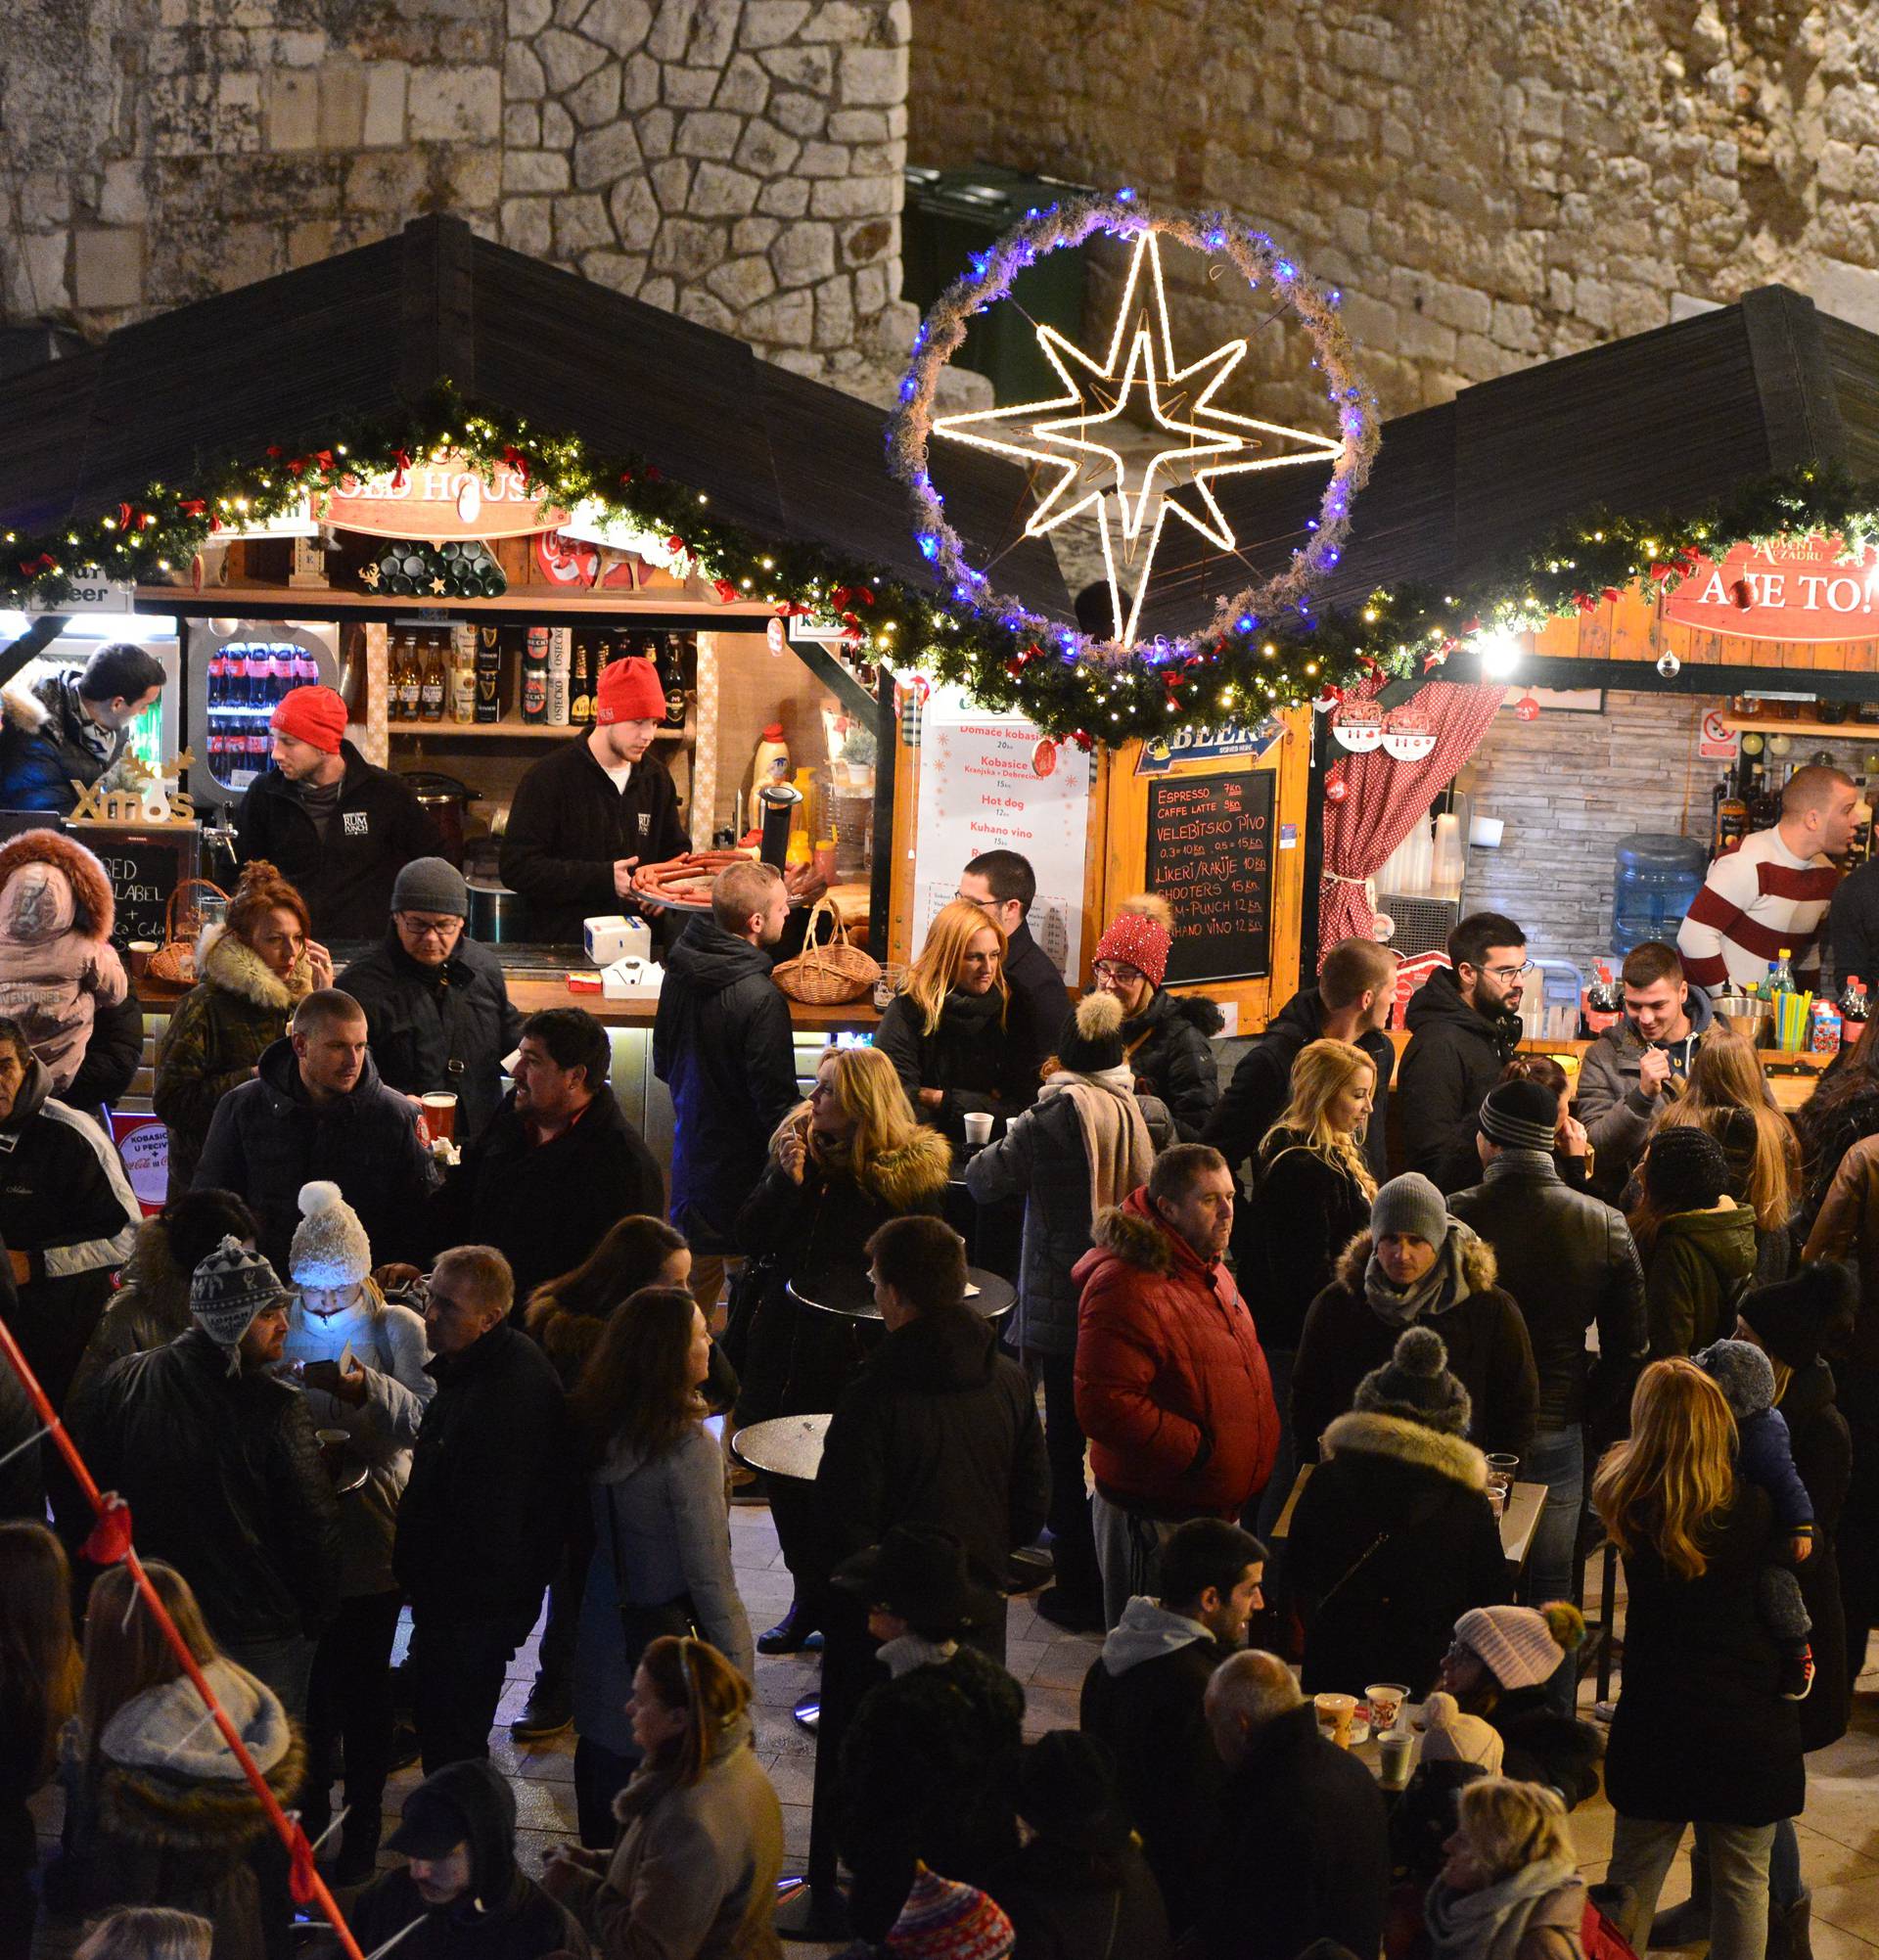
pixel 521 126
pixel 567 58
pixel 658 291
pixel 622 271
pixel 672 29
pixel 743 282
pixel 389 181
pixel 604 155
pixel 528 18
pixel 533 170
pixel 697 305
pixel 767 23
pixel 804 253
pixel 754 234
pixel 580 222
pixel 687 248
pixel 871 288
pixel 621 24
pixel 719 191
pixel 812 68
pixel 785 319
pixel 708 132
pixel 384 91
pixel 342 106
pixel 672 183
pixel 122 197
pixel 529 225
pixel 744 88
pixel 873 76
pixel 557 126
pixel 800 115
pixel 473 178
pixel 596 100
pixel 522 79
pixel 854 197
pixel 871 240
pixel 451 105
pixel 834 313
pixel 787 197
pixel 766 150
pixel 634 210
pixel 840 21
pixel 823 159
pixel 858 125
pixel 687 88
pixel 108 267
pixel 638 84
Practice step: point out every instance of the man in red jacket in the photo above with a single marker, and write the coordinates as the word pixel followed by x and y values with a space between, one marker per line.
pixel 1171 1383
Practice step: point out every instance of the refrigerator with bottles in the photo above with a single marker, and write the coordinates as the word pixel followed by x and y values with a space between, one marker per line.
pixel 238 671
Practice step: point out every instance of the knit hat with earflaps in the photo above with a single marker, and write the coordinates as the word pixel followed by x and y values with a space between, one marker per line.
pixel 227 1290
pixel 1685 1168
pixel 944 1920
pixel 1449 1736
pixel 1522 1646
pixel 1092 1039
pixel 1415 1384
pixel 330 1247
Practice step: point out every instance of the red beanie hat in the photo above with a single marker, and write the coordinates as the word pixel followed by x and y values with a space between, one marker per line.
pixel 312 715
pixel 630 691
pixel 1138 941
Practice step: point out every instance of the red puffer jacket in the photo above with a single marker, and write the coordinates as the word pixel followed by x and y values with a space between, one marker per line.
pixel 1171 1383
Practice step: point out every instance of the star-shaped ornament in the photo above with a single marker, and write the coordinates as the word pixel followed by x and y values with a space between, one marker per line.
pixel 437 585
pixel 1133 496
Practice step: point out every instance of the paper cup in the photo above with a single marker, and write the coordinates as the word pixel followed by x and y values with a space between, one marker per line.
pixel 141 952
pixel 1386 1699
pixel 977 1127
pixel 1333 1716
pixel 1394 1753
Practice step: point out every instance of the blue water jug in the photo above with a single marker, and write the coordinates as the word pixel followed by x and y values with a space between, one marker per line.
pixel 1655 882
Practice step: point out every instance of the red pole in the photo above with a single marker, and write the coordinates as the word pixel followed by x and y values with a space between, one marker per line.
pixel 286 1828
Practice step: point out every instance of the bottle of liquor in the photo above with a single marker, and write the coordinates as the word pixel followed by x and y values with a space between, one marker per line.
pixel 672 673
pixel 535 675
pixel 430 684
pixel 1731 819
pixel 407 678
pixel 488 673
pixel 463 672
pixel 580 682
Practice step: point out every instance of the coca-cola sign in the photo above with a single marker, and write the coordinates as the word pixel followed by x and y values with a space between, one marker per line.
pixel 436 500
pixel 1799 589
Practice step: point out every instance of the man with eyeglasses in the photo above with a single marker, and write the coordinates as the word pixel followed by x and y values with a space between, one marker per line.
pixel 1004 887
pixel 1464 1023
pixel 436 1004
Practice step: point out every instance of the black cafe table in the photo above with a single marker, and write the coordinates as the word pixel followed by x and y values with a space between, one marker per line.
pixel 848 1295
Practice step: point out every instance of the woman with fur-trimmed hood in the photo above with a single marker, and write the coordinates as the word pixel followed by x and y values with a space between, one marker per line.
pixel 157 1811
pixel 1393 1539
pixel 256 969
pixel 58 968
pixel 1416 1264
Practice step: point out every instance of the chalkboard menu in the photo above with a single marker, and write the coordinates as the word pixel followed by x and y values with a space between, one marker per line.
pixel 1210 855
pixel 145 867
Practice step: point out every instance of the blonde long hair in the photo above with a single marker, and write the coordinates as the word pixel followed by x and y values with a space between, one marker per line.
pixel 1321 1072
pixel 936 972
pixel 1727 1081
pixel 868 1091
pixel 1661 1489
pixel 1512 1825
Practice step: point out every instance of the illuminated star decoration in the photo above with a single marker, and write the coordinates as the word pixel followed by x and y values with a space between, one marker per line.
pixel 1134 498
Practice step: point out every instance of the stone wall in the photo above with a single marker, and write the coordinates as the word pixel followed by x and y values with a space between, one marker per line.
pixel 739 161
pixel 1492 185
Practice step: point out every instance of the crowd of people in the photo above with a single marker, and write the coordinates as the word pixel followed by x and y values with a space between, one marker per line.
pixel 1274 1355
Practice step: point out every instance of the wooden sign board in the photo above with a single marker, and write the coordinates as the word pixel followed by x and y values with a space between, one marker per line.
pixel 439 499
pixel 1210 855
pixel 1799 589
pixel 145 867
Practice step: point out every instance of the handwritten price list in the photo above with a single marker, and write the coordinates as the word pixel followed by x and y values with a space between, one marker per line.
pixel 1210 855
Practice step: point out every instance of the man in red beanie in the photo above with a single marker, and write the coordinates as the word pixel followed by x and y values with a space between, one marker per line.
pixel 332 824
pixel 586 814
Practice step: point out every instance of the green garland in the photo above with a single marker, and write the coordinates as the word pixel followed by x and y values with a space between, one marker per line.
pixel 1303 656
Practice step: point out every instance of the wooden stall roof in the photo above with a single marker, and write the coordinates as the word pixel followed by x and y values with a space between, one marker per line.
pixel 298 357
pixel 1663 420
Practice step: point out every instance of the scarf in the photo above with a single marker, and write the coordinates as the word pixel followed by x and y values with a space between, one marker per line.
pixel 1442 1287
pixel 911 1651
pixel 1116 1145
pixel 1491 1924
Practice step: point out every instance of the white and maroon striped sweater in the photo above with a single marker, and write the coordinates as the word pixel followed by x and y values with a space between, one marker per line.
pixel 1756 901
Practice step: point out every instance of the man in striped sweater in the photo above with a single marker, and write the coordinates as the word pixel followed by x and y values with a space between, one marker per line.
pixel 1772 893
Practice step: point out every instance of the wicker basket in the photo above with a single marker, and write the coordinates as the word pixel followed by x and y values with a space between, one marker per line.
pixel 174 961
pixel 830 974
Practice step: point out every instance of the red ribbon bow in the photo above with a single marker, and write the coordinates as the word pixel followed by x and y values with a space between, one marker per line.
pixel 402 458
pixel 300 1874
pixel 33 566
pixel 109 1537
pixel 724 589
pixel 192 507
pixel 516 461
pixel 675 542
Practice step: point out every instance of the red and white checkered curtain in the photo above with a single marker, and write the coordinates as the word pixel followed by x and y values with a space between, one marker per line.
pixel 1384 797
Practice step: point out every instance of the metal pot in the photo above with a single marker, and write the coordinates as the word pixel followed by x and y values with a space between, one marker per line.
pixel 498 916
pixel 447 799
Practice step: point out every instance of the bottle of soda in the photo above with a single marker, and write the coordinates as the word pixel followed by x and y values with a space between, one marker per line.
pixel 306 670
pixel 1856 1006
pixel 217 674
pixel 280 673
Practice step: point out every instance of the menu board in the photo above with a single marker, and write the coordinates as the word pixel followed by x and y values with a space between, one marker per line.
pixel 145 867
pixel 1210 855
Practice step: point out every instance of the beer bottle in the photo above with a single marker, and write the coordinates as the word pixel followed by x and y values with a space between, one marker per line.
pixel 408 679
pixel 581 683
pixel 431 688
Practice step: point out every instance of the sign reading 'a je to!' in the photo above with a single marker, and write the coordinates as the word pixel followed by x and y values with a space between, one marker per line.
pixel 1798 590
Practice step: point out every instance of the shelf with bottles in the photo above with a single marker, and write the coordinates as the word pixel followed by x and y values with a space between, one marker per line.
pixel 1832 731
pixel 512 728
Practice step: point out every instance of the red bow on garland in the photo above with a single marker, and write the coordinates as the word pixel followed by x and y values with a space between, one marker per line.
pixel 402 458
pixel 518 462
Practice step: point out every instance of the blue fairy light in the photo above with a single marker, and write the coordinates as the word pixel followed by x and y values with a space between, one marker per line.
pixel 929 545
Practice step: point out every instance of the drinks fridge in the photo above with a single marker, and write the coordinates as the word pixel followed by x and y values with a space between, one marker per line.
pixel 235 680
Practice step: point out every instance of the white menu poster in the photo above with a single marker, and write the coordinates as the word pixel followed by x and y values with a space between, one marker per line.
pixel 980 791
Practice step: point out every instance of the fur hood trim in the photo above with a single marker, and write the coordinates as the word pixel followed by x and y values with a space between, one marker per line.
pixel 93 907
pixel 23 708
pixel 1133 1237
pixel 1364 1433
pixel 153 1269
pixel 1478 1264
pixel 913 1175
pixel 230 963
pixel 567 1337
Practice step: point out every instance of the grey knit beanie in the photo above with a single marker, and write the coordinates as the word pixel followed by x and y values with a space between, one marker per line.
pixel 1415 1384
pixel 1520 1115
pixel 1409 1204
pixel 227 1290
pixel 430 884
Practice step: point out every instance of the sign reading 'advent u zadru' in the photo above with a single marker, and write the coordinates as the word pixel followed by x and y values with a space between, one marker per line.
pixel 1798 590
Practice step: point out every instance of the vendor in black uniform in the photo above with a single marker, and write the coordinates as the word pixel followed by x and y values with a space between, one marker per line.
pixel 584 816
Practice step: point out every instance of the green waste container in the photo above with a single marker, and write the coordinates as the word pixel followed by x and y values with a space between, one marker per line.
pixel 950 215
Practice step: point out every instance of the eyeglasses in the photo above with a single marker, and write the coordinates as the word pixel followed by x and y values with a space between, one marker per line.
pixel 1510 972
pixel 984 904
pixel 429 928
pixel 1119 971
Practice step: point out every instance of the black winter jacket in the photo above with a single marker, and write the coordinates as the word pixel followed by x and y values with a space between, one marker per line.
pixel 1170 1045
pixel 1149 1713
pixel 1489 1351
pixel 1700 1643
pixel 1852 926
pixel 1039 1001
pixel 1043 1159
pixel 43 749
pixel 546 1206
pixel 438 1027
pixel 722 1043
pixel 224 1479
pixel 1306 1208
pixel 1304 1848
pixel 112 1056
pixel 1567 1261
pixel 268 1138
pixel 23 1488
pixel 568 827
pixel 347 877
pixel 1392 1543
pixel 937 1428
pixel 972 1057
pixel 1540 1745
pixel 1822 1448
pixel 1065 1904
pixel 1455 1057
pixel 494 1482
pixel 65 1206
pixel 1262 1086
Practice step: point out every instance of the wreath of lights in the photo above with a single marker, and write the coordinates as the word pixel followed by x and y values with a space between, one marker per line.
pixel 1073 682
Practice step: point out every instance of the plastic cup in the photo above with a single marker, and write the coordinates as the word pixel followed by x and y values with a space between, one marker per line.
pixel 1386 1699
pixel 1335 1712
pixel 439 1113
pixel 1502 1470
pixel 1394 1753
pixel 141 951
pixel 978 1128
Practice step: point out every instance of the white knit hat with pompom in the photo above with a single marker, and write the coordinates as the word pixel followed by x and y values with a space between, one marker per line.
pixel 330 1247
